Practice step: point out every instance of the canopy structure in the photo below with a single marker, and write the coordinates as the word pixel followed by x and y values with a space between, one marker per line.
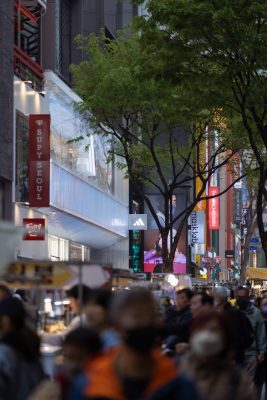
pixel 257 273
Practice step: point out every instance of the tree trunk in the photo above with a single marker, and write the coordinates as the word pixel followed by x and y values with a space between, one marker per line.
pixel 262 233
pixel 166 257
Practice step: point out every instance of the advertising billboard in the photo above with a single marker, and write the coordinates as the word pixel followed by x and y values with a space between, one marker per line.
pixel 39 160
pixel 214 208
pixel 152 238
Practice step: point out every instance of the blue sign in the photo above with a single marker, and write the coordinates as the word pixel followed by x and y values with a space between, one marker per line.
pixel 255 239
pixel 244 194
pixel 255 248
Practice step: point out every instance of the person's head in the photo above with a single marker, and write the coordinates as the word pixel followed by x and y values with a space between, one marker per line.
pixel 242 297
pixel 264 293
pixel 97 307
pixel 201 302
pixel 263 306
pixel 21 295
pixel 211 336
pixel 221 295
pixel 73 295
pixel 12 316
pixel 134 315
pixel 183 298
pixel 4 292
pixel 80 345
pixel 174 200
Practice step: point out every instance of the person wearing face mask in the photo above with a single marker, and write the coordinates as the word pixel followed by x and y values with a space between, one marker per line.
pixel 255 353
pixel 261 372
pixel 137 370
pixel 210 361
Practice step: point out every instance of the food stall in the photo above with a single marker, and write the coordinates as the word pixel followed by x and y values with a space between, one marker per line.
pixel 258 277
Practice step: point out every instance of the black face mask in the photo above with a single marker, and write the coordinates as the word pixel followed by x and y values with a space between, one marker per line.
pixel 242 303
pixel 142 340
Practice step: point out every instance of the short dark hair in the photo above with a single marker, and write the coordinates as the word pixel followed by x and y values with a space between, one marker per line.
pixel 126 299
pixel 244 288
pixel 205 298
pixel 75 291
pixel 101 297
pixel 5 289
pixel 188 292
pixel 85 339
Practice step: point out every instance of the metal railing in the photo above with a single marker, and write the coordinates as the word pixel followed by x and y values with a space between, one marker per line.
pixel 28 70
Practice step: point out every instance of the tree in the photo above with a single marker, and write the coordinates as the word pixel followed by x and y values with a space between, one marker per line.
pixel 219 49
pixel 156 134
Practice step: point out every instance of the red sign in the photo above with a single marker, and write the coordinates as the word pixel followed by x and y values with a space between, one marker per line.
pixel 214 208
pixel 34 228
pixel 39 160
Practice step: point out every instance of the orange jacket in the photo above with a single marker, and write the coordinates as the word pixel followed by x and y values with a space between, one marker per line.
pixel 103 381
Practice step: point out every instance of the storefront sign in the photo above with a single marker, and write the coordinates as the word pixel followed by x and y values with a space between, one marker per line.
pixel 229 254
pixel 214 208
pixel 39 160
pixel 34 228
pixel 237 206
pixel 197 227
pixel 138 222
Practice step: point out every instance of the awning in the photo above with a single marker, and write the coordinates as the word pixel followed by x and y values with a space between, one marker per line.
pixel 257 273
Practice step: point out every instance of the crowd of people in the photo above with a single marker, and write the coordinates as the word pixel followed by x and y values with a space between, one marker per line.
pixel 129 345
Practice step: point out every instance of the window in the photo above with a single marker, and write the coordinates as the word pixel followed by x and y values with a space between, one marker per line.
pixel 58 248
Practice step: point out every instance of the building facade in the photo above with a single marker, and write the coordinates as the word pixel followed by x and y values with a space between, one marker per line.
pixel 87 215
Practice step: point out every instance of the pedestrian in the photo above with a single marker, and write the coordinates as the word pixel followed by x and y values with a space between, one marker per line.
pixel 178 330
pixel 20 368
pixel 97 314
pixel 243 334
pixel 78 296
pixel 261 372
pixel 210 361
pixel 201 302
pixel 254 354
pixel 137 370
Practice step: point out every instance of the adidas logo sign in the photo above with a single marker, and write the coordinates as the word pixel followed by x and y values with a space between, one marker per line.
pixel 139 222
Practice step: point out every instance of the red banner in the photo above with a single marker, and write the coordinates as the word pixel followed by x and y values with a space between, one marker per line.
pixel 34 228
pixel 214 209
pixel 39 160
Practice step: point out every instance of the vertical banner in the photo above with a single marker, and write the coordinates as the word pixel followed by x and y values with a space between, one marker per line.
pixel 39 160
pixel 214 209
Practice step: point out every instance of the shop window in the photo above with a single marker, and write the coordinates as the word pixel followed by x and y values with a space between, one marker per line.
pixel 78 252
pixel 58 248
pixel 22 155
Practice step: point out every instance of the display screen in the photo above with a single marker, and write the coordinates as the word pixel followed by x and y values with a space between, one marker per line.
pixel 153 241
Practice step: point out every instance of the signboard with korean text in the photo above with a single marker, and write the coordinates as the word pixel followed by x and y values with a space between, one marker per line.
pixel 34 228
pixel 39 160
pixel 214 209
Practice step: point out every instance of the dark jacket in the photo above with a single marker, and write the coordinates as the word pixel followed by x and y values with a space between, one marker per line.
pixel 18 376
pixel 258 345
pixel 243 334
pixel 178 331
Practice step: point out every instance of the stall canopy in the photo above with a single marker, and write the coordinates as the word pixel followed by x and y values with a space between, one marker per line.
pixel 257 273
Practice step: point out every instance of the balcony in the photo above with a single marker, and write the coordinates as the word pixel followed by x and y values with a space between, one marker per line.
pixel 28 70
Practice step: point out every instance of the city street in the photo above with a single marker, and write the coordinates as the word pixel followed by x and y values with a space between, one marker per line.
pixel 133 200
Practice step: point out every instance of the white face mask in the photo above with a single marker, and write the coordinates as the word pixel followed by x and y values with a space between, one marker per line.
pixel 207 343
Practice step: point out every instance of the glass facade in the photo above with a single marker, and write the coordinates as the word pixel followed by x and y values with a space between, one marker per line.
pixel 22 155
pixel 87 158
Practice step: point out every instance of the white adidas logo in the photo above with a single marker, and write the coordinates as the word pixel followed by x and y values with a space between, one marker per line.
pixel 139 222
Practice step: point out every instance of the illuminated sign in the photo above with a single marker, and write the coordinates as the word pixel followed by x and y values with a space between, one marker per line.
pixel 39 160
pixel 214 208
pixel 34 228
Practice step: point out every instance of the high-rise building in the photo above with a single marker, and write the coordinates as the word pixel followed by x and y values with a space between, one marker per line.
pixel 86 214
pixel 65 19
pixel 6 108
